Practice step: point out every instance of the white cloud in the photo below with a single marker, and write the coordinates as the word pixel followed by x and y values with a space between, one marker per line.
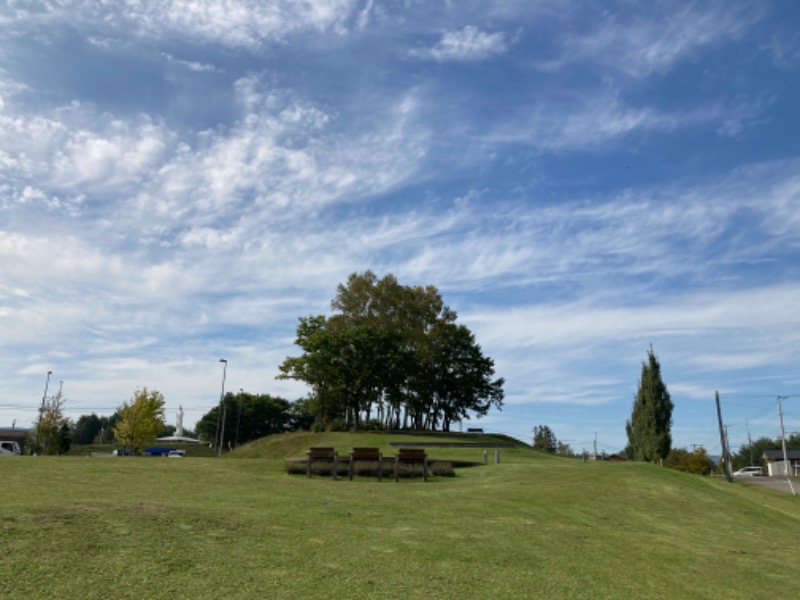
pixel 591 121
pixel 238 23
pixel 642 47
pixel 468 44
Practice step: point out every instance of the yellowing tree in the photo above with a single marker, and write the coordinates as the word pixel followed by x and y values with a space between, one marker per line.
pixel 140 420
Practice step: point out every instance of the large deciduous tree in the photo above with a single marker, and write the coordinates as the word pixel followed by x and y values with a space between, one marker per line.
pixel 392 355
pixel 140 420
pixel 649 428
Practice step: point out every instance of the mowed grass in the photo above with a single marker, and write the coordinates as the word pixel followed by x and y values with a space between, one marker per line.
pixel 530 527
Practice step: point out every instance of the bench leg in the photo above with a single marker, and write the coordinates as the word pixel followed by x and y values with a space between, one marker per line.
pixel 308 467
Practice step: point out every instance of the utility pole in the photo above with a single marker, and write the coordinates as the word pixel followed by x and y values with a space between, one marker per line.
pixel 595 445
pixel 749 440
pixel 726 461
pixel 783 443
pixel 221 430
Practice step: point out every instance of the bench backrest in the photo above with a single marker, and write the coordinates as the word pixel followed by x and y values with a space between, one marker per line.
pixel 320 453
pixel 411 454
pixel 365 454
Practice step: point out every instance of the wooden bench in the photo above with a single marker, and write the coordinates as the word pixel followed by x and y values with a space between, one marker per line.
pixel 366 455
pixel 411 456
pixel 323 454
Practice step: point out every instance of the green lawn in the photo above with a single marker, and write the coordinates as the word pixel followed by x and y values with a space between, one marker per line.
pixel 532 526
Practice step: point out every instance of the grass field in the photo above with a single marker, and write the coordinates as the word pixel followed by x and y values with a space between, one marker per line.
pixel 532 526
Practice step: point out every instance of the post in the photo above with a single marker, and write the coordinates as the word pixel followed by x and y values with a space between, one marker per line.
pixel 497 457
pixel 785 455
pixel 221 431
pixel 41 412
pixel 725 457
pixel 484 457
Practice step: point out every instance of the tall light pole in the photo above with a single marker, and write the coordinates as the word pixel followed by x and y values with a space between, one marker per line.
pixel 41 410
pixel 221 430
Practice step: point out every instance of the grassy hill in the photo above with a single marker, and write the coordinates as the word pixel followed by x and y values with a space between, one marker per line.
pixel 533 526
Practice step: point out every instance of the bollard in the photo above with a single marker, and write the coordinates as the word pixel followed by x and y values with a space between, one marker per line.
pixel 484 457
pixel 497 457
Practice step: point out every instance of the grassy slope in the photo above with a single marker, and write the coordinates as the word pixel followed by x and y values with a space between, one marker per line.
pixel 532 526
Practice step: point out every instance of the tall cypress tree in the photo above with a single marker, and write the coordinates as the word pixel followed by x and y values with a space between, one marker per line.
pixel 648 429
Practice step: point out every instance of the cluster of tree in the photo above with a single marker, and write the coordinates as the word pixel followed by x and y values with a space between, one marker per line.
pixel 247 417
pixel 649 428
pixel 751 453
pixel 544 440
pixel 392 356
pixel 140 420
pixel 691 462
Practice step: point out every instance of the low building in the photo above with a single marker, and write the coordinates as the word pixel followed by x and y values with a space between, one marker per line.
pixel 776 466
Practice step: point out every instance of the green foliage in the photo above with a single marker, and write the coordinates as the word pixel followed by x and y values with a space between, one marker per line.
pixel 648 429
pixel 393 354
pixel 249 417
pixel 544 440
pixel 86 429
pixel 64 438
pixel 140 420
pixel 697 462
pixel 52 427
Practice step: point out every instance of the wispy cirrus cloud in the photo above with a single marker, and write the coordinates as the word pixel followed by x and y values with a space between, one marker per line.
pixel 465 45
pixel 640 47
pixel 237 23
pixel 569 124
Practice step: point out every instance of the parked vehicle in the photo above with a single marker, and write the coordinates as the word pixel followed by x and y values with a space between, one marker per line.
pixel 9 448
pixel 177 453
pixel 749 472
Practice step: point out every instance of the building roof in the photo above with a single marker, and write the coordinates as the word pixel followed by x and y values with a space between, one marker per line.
pixel 777 455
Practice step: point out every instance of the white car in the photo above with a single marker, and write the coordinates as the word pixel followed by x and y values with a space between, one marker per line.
pixel 748 472
pixel 9 448
pixel 176 453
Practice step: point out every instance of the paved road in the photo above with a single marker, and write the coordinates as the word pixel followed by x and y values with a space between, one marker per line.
pixel 775 483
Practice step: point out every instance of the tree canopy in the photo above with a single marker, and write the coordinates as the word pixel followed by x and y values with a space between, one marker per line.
pixel 544 439
pixel 697 461
pixel 394 357
pixel 140 420
pixel 648 429
pixel 249 417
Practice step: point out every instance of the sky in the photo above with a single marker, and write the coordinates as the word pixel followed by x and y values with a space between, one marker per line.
pixel 181 180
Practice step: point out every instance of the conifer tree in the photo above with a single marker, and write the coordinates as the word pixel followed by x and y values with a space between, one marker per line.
pixel 649 437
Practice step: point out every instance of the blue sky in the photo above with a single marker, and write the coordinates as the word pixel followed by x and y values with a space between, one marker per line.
pixel 181 180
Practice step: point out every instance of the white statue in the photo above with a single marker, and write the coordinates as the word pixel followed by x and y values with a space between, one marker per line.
pixel 179 424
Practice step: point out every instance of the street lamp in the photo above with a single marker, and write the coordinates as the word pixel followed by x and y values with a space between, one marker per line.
pixel 221 430
pixel 41 410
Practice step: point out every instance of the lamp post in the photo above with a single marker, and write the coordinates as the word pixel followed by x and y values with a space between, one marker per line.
pixel 221 430
pixel 41 410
